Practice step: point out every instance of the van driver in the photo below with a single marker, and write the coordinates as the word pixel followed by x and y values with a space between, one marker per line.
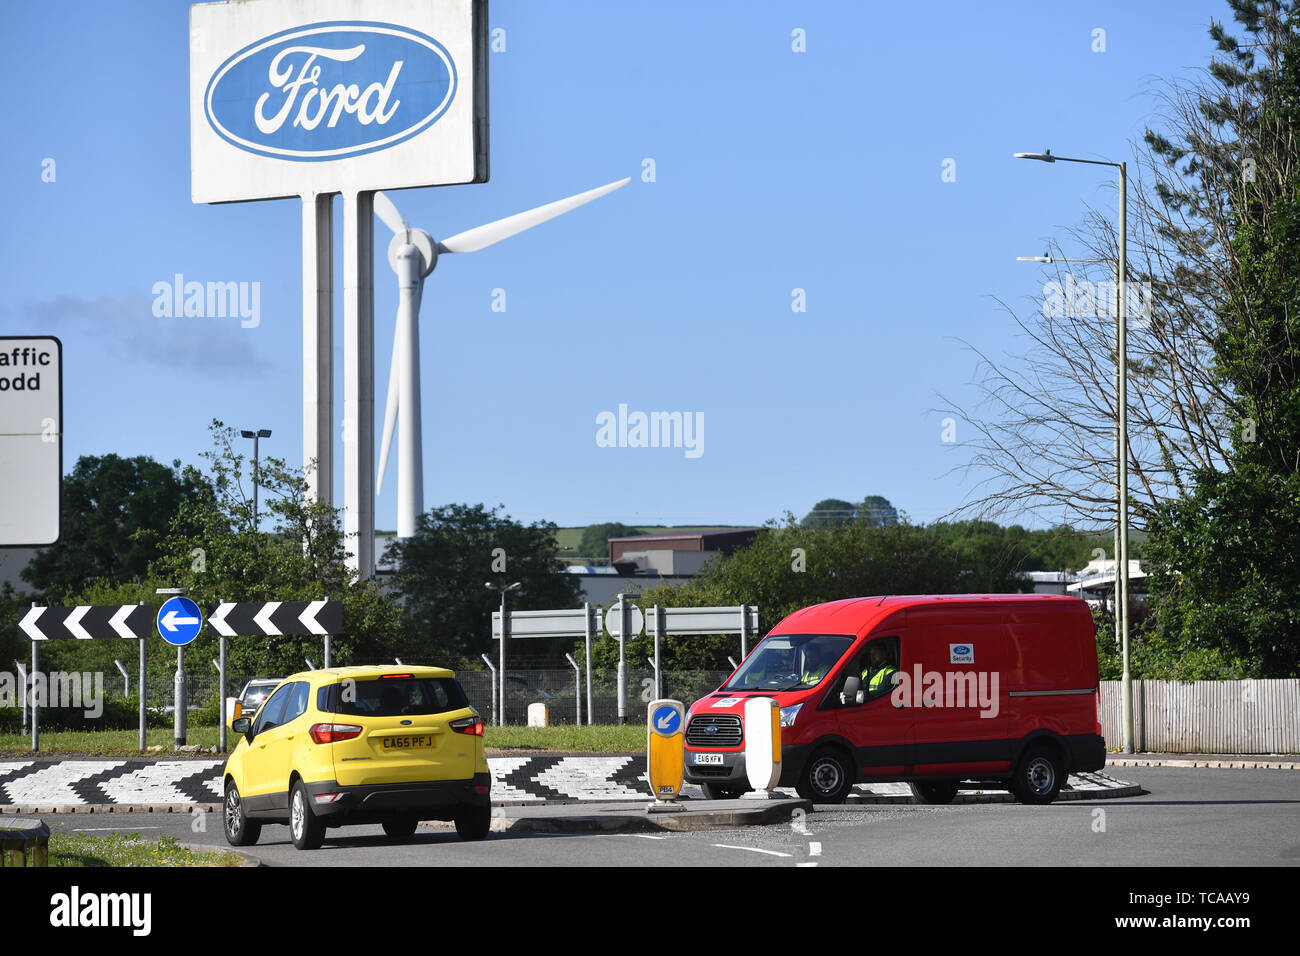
pixel 877 676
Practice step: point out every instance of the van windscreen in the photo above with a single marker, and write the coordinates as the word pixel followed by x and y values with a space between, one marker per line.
pixel 789 662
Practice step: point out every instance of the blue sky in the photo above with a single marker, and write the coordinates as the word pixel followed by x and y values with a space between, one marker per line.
pixel 774 170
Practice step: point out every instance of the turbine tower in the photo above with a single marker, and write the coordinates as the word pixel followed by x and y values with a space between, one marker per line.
pixel 413 254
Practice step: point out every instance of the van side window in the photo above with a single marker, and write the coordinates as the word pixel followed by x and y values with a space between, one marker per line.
pixel 877 666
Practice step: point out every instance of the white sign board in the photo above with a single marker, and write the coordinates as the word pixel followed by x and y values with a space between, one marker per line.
pixel 31 440
pixel 301 97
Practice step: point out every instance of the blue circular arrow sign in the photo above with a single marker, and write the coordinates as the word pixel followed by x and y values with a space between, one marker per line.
pixel 179 621
pixel 666 720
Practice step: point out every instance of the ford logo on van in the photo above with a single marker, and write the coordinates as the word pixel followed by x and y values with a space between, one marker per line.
pixel 330 91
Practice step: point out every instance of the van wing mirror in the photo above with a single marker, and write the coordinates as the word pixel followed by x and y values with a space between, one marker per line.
pixel 242 725
pixel 852 693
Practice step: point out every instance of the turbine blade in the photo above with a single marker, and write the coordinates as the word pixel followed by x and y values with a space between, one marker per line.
pixel 388 213
pixel 390 410
pixel 480 237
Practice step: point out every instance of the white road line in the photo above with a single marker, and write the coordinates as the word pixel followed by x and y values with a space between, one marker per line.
pixel 93 829
pixel 751 849
pixel 813 863
pixel 648 836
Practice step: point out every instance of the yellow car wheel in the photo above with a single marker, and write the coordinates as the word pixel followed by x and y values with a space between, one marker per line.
pixel 307 830
pixel 240 831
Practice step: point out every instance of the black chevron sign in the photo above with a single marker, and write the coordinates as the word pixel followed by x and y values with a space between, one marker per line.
pixel 88 622
pixel 274 618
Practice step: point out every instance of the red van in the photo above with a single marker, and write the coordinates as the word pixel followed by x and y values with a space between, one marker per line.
pixel 929 690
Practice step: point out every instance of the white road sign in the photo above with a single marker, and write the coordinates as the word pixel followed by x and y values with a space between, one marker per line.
pixel 31 440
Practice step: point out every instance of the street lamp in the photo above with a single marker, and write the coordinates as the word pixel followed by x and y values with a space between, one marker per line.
pixel 260 433
pixel 503 588
pixel 1121 338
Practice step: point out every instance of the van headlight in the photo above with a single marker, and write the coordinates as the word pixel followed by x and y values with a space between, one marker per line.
pixel 788 714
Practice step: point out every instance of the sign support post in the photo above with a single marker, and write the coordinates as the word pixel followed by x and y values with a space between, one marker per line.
pixel 36 704
pixel 178 699
pixel 221 691
pixel 141 691
pixel 318 345
pixel 359 379
pixel 589 621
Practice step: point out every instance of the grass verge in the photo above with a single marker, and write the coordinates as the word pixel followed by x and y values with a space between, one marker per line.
pixel 600 739
pixel 105 743
pixel 130 849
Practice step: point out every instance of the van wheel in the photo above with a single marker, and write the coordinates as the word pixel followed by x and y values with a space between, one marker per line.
pixel 1038 776
pixel 935 791
pixel 827 777
pixel 713 791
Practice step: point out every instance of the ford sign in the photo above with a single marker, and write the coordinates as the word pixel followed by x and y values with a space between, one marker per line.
pixel 330 90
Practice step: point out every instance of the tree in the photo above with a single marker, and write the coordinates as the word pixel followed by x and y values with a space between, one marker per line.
pixel 1226 556
pixel 831 512
pixel 116 513
pixel 595 538
pixel 877 510
pixel 456 549
pixel 1044 433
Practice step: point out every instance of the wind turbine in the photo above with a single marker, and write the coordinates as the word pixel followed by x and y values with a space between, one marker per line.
pixel 412 254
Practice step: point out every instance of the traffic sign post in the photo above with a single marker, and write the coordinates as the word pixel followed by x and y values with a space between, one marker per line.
pixel 623 620
pixel 567 623
pixel 179 623
pixel 665 748
pixel 270 619
pixel 84 622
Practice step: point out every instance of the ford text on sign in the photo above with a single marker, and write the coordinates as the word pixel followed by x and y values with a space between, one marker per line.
pixel 313 96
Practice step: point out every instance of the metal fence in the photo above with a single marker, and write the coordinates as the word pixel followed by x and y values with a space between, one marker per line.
pixel 556 689
pixel 1224 717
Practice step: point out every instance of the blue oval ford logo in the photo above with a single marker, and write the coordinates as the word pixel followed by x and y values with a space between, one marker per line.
pixel 406 723
pixel 330 90
pixel 961 649
pixel 710 729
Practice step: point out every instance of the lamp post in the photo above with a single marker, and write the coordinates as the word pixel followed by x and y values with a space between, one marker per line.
pixel 503 588
pixel 260 433
pixel 1121 338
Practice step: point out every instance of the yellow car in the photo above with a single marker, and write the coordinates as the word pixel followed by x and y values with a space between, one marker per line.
pixel 392 745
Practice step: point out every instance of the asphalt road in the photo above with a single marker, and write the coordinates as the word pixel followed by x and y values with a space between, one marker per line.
pixel 1190 818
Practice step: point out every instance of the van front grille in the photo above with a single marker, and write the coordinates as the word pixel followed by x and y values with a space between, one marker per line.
pixel 722 730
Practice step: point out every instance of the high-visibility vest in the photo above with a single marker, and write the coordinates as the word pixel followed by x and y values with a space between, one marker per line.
pixel 878 678
pixel 812 677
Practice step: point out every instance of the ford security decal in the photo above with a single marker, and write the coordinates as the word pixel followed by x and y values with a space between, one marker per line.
pixel 961 654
